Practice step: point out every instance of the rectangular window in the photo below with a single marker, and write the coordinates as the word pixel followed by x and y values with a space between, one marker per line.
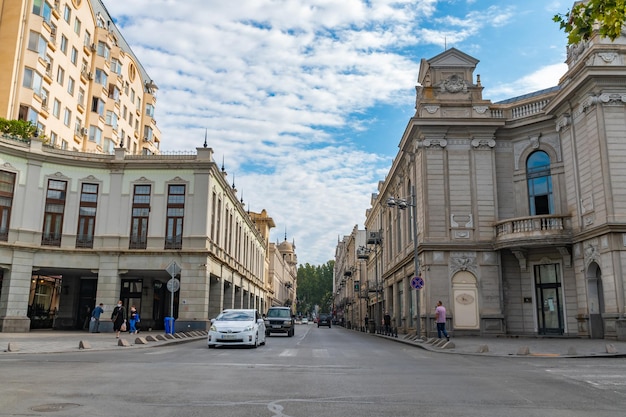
pixel 32 80
pixel 67 117
pixel 60 75
pixel 43 9
pixel 97 106
pixel 70 86
pixel 64 44
pixel 116 66
pixel 74 56
pixel 95 135
pixel 54 138
pixel 77 25
pixel 53 215
pixel 175 216
pixel 56 108
pixel 103 50
pixel 111 119
pixel 87 215
pixel 81 96
pixel 101 77
pixel 7 185
pixel 38 43
pixel 67 13
pixel 150 110
pixel 140 216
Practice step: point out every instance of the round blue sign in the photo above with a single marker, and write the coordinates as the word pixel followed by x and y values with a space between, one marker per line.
pixel 417 283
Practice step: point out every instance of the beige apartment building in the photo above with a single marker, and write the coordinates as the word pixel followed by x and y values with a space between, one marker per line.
pixel 520 204
pixel 65 67
pixel 78 229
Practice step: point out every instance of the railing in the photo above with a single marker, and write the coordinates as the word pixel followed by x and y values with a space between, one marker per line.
pixel 84 241
pixel 51 239
pixel 534 228
pixel 175 242
pixel 138 242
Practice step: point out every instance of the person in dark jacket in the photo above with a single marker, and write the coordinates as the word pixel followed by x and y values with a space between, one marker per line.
pixel 118 318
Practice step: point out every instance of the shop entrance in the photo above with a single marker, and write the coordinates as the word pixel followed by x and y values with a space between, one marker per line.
pixel 548 294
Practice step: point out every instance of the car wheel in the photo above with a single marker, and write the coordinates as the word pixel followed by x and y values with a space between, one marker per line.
pixel 256 341
pixel 211 346
pixel 292 332
pixel 267 333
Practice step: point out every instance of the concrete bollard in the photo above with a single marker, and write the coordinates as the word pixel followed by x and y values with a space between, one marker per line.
pixel 123 342
pixel 141 341
pixel 610 348
pixel 483 349
pixel 13 347
pixel 151 338
pixel 572 351
pixel 83 344
pixel 523 350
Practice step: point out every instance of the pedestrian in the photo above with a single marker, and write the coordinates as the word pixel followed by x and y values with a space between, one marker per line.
pixel 440 319
pixel 133 320
pixel 367 321
pixel 387 323
pixel 118 317
pixel 94 326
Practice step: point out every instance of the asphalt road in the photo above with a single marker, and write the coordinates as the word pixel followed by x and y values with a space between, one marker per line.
pixel 318 372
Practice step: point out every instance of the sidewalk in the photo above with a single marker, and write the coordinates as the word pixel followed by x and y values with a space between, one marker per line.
pixel 545 347
pixel 54 341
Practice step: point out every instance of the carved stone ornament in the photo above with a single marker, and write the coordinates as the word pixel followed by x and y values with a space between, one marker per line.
pixel 465 299
pixel 613 98
pixel 608 57
pixel 563 122
pixel 428 143
pixel 483 143
pixel 454 84
pixel 481 109
pixel 431 109
pixel 462 263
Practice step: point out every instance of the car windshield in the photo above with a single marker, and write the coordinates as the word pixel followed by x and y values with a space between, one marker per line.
pixel 279 313
pixel 235 316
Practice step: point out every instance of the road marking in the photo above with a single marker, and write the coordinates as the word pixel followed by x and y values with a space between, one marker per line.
pixel 321 353
pixel 289 353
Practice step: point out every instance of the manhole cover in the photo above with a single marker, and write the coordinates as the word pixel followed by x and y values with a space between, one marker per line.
pixel 54 407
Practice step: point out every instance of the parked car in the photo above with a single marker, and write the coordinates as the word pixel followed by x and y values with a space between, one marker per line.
pixel 279 320
pixel 324 320
pixel 305 321
pixel 237 327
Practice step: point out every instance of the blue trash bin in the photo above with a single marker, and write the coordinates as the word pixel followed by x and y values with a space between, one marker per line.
pixel 169 325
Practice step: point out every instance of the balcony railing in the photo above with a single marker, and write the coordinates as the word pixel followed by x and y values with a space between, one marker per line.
pixel 84 241
pixel 138 242
pixel 51 239
pixel 174 242
pixel 533 230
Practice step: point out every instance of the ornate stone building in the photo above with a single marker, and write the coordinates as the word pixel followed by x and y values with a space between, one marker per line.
pixel 521 204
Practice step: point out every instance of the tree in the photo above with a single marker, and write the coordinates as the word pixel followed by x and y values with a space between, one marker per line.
pixel 605 16
pixel 315 286
pixel 18 128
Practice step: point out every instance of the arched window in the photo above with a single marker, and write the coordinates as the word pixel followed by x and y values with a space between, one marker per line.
pixel 539 184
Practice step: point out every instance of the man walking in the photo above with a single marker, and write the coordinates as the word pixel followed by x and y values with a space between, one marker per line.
pixel 95 319
pixel 440 318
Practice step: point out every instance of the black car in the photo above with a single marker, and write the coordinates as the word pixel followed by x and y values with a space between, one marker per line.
pixel 280 320
pixel 324 320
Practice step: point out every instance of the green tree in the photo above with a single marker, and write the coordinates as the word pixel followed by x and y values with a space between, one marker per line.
pixel 580 22
pixel 18 128
pixel 315 286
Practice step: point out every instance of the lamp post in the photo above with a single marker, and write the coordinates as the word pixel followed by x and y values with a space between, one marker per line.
pixel 402 203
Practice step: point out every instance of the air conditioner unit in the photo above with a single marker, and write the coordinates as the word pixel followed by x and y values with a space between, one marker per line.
pixel 53 31
pixel 373 238
pixel 93 47
pixel 90 75
pixel 146 140
pixel 84 131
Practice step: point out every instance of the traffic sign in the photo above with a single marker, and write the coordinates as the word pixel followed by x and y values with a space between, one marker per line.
pixel 417 283
pixel 173 285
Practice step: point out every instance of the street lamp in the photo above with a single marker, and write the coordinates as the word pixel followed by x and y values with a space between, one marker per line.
pixel 402 203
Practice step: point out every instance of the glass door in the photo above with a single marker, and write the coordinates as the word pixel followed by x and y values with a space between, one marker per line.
pixel 549 302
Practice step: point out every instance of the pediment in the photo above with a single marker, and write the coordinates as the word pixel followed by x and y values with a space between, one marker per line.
pixel 453 58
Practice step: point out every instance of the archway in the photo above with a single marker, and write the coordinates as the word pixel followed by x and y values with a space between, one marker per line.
pixel 465 301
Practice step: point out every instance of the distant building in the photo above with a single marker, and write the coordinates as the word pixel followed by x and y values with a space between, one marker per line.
pixel 283 274
pixel 521 204
pixel 65 67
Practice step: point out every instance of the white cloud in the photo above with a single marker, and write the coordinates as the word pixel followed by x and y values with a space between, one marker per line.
pixel 284 86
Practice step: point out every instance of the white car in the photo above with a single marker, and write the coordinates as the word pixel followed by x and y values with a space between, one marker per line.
pixel 237 327
pixel 305 321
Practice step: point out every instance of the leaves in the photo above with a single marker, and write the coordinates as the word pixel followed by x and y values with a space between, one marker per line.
pixel 604 16
pixel 315 287
pixel 17 128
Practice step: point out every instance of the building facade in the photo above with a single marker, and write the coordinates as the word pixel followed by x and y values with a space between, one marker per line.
pixel 65 67
pixel 520 205
pixel 78 229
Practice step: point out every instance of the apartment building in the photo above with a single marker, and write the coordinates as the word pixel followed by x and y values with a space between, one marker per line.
pixel 65 67
pixel 520 205
pixel 78 228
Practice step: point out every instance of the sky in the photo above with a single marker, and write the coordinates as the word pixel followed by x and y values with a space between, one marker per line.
pixel 305 101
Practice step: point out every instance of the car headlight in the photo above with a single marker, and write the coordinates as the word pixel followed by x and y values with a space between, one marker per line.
pixel 249 328
pixel 287 323
pixel 213 328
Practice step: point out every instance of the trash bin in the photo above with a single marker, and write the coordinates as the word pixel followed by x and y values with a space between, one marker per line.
pixel 169 325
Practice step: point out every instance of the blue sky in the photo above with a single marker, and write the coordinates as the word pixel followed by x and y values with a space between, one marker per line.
pixel 306 101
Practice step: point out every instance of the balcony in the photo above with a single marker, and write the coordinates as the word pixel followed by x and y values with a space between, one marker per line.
pixel 533 231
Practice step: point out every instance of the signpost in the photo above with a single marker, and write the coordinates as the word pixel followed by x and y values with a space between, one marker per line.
pixel 173 285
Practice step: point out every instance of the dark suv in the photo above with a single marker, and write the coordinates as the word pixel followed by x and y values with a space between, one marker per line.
pixel 279 320
pixel 324 320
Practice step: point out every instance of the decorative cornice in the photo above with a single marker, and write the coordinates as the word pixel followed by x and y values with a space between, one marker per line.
pixel 433 143
pixel 483 143
pixel 481 109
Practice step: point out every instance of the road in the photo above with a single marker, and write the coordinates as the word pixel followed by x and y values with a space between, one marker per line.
pixel 318 372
